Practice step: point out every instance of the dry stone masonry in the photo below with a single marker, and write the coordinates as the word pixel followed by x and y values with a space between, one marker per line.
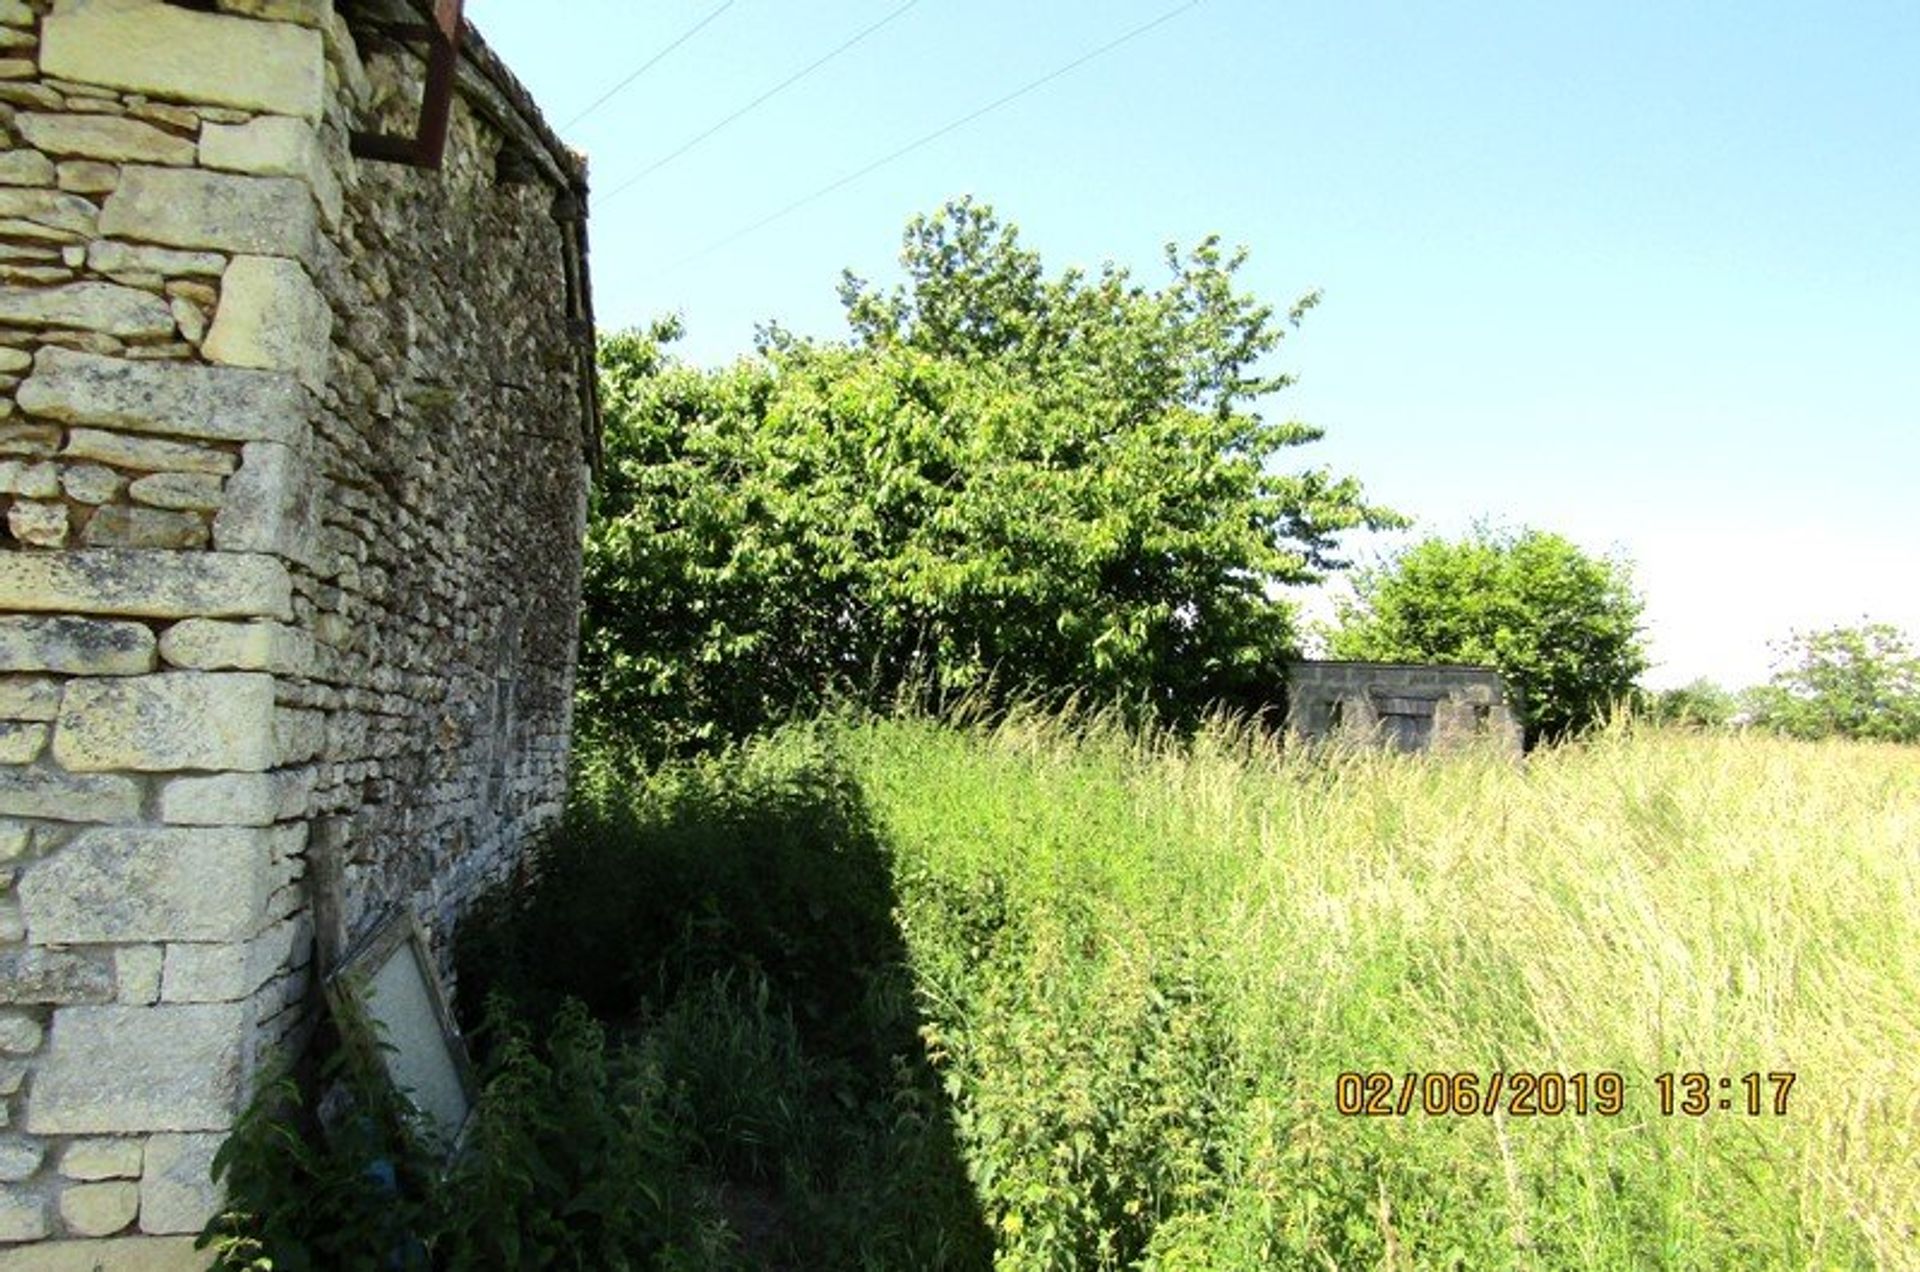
pixel 294 451
pixel 1408 706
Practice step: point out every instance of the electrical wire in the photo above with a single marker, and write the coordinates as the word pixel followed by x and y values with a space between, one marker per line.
pixel 761 100
pixel 647 65
pixel 928 138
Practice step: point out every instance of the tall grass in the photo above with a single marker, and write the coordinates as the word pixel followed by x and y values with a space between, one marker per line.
pixel 1142 966
pixel 1040 992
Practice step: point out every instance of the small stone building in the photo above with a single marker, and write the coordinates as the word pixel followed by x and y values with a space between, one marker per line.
pixel 296 431
pixel 1411 706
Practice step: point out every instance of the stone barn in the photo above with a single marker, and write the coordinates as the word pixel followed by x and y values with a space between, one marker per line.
pixel 1410 706
pixel 297 424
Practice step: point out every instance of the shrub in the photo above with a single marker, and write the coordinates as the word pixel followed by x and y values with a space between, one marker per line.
pixel 1561 627
pixel 1852 682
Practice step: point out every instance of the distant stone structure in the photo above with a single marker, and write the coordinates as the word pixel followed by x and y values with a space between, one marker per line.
pixel 1410 706
pixel 294 454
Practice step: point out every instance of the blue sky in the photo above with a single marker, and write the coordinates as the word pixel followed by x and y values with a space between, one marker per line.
pixel 1647 275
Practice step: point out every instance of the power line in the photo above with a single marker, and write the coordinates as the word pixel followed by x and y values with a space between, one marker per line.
pixel 929 138
pixel 647 65
pixel 782 86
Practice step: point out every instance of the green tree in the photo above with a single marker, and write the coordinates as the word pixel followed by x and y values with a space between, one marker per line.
pixel 1562 627
pixel 1039 483
pixel 1698 704
pixel 1852 682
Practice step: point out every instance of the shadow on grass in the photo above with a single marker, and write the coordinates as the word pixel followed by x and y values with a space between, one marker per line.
pixel 732 922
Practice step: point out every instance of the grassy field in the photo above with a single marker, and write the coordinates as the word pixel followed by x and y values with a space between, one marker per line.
pixel 1049 996
pixel 1147 965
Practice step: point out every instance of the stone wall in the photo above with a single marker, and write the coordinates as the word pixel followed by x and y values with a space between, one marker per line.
pixel 293 460
pixel 1410 706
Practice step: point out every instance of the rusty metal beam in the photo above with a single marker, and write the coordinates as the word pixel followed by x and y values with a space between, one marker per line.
pixel 428 146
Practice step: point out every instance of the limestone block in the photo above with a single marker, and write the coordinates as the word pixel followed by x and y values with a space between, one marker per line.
pixel 208 645
pixel 17 228
pixel 33 275
pixel 20 1034
pixel 146 584
pixel 99 1210
pixel 123 527
pixel 298 735
pixel 19 1158
pixel 90 483
pixel 161 113
pixel 109 256
pixel 72 216
pixel 192 491
pixel 189 317
pixel 273 146
pixel 136 974
pixel 236 799
pixel 176 53
pixel 23 1216
pixel 103 137
pixel 12 360
pixel 313 13
pixel 113 1070
pixel 104 307
pixel 148 883
pixel 116 1254
pixel 93 342
pixel 85 176
pixel 177 1192
pixel 26 168
pixel 89 1160
pixel 171 720
pixel 206 974
pixel 269 505
pixel 53 976
pixel 40 525
pixel 202 295
pixel 219 403
pixel 34 481
pixel 17 13
pixel 188 207
pixel 21 743
pixel 75 646
pixel 271 317
pixel 14 837
pixel 29 698
pixel 150 454
pixel 67 796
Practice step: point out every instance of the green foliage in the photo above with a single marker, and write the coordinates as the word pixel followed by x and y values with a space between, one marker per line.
pixel 1852 682
pixel 1699 704
pixel 307 1197
pixel 1142 966
pixel 737 910
pixel 1096 986
pixel 1562 627
pixel 1049 484
pixel 578 1158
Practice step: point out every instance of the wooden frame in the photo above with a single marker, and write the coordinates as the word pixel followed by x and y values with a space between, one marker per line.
pixel 396 955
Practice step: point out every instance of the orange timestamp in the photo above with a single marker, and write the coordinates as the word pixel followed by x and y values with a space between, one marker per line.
pixel 1521 1093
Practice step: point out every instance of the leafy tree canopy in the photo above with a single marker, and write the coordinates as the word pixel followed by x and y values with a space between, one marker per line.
pixel 1853 682
pixel 1562 627
pixel 1043 483
pixel 1698 704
